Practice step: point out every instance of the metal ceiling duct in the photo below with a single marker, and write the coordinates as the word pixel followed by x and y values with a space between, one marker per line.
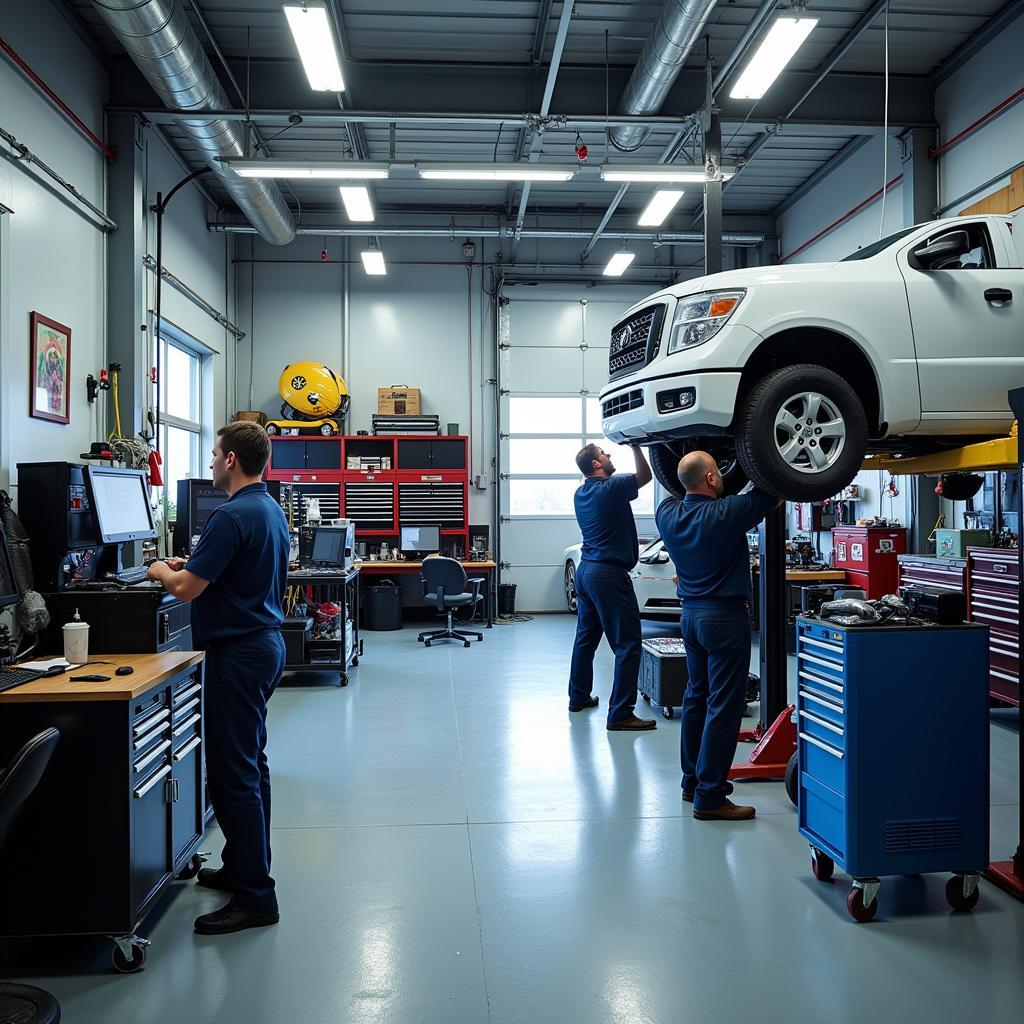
pixel 679 25
pixel 160 40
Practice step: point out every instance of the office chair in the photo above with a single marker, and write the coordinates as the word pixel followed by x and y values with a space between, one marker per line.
pixel 445 582
pixel 23 1003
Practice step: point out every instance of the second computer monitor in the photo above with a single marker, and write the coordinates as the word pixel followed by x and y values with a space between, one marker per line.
pixel 328 547
pixel 422 540
pixel 120 502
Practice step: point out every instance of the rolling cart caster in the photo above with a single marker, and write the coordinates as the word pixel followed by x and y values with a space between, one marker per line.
pixel 862 902
pixel 822 865
pixel 129 953
pixel 667 713
pixel 646 698
pixel 355 661
pixel 191 869
pixel 343 679
pixel 962 892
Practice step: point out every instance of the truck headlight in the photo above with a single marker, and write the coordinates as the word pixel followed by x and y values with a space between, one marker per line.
pixel 700 317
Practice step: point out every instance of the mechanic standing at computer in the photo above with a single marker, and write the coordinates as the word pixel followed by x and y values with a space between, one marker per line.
pixel 605 600
pixel 706 535
pixel 236 578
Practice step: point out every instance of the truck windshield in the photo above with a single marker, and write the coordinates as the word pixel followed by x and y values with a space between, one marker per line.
pixel 876 247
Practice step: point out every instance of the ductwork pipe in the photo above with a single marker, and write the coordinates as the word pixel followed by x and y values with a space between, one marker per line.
pixel 679 25
pixel 160 40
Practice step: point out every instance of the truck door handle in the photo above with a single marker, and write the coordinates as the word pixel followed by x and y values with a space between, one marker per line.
pixel 998 295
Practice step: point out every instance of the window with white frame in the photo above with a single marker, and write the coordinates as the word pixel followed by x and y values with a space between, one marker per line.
pixel 181 408
pixel 545 433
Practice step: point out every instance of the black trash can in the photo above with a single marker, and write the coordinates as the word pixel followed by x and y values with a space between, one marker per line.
pixel 506 599
pixel 382 606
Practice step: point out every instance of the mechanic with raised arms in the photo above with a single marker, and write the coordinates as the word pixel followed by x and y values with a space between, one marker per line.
pixel 606 603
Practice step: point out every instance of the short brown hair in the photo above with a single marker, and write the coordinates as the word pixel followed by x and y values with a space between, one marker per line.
pixel 585 459
pixel 250 444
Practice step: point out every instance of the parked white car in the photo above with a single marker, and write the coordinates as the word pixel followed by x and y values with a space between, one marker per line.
pixel 653 577
pixel 790 375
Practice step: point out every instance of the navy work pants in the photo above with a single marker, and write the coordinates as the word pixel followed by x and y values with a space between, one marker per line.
pixel 241 675
pixel 606 604
pixel 717 639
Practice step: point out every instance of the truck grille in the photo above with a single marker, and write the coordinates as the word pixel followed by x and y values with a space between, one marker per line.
pixel 622 403
pixel 635 341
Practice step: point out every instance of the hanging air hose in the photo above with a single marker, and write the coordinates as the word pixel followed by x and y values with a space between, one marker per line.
pixel 134 452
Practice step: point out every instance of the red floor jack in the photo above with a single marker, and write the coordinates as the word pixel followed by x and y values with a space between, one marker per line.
pixel 1009 874
pixel 775 735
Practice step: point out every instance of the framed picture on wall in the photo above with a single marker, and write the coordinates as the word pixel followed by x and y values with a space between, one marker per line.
pixel 49 369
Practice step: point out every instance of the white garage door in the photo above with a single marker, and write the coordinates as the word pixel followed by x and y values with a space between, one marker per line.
pixel 553 366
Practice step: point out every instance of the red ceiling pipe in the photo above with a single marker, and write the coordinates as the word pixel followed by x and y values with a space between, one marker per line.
pixel 107 151
pixel 984 119
pixel 842 220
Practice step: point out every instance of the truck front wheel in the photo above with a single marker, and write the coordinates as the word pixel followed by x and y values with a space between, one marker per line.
pixel 664 459
pixel 802 433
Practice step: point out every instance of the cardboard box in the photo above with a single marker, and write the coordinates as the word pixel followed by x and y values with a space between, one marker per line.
pixel 398 400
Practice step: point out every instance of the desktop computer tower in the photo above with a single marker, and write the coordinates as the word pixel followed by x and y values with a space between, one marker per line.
pixel 196 499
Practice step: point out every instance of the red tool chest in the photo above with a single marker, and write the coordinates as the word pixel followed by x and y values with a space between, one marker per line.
pixel 868 554
pixel 993 599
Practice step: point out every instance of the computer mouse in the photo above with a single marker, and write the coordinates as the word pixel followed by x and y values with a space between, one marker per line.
pixel 124 670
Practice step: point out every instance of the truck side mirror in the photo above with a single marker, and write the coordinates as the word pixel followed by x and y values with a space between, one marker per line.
pixel 948 247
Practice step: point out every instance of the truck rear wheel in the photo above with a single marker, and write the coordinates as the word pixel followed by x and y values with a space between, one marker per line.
pixel 664 459
pixel 802 433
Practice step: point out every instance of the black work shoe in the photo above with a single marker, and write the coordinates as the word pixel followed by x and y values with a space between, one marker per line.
pixel 688 794
pixel 632 724
pixel 214 878
pixel 590 702
pixel 234 917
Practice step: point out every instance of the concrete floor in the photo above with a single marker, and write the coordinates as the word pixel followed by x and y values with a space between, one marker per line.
pixel 452 847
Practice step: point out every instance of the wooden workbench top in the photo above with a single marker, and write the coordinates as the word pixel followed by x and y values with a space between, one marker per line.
pixel 150 670
pixel 829 575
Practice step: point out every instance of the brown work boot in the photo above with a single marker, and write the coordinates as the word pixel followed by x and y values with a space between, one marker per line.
pixel 632 724
pixel 727 812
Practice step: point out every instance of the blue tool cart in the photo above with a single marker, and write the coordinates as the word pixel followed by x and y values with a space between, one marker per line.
pixel 893 754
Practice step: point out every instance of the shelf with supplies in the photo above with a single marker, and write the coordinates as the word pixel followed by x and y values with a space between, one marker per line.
pixel 321 627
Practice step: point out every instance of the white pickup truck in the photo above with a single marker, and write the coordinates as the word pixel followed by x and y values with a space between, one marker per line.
pixel 790 375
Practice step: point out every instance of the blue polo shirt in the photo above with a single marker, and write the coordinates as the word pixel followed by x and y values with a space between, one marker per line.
pixel 606 520
pixel 707 540
pixel 243 553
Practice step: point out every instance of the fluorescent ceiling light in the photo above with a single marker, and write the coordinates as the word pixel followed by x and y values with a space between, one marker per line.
pixel 618 263
pixel 784 38
pixel 373 262
pixel 669 174
pixel 496 172
pixel 357 170
pixel 357 202
pixel 311 29
pixel 659 207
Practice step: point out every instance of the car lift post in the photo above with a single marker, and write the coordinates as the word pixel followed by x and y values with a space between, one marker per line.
pixel 1009 874
pixel 776 733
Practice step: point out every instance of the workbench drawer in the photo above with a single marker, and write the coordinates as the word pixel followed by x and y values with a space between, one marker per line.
pixel 816 725
pixel 821 702
pixel 822 760
pixel 823 812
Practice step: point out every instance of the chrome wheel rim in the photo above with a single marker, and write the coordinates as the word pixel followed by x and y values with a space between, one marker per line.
pixel 810 432
pixel 570 587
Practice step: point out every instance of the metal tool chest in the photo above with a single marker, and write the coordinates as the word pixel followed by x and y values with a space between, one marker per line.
pixel 893 754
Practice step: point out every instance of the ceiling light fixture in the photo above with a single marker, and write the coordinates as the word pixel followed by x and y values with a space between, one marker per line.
pixel 357 203
pixel 669 174
pixel 356 170
pixel 616 266
pixel 495 172
pixel 660 206
pixel 373 262
pixel 777 49
pixel 311 29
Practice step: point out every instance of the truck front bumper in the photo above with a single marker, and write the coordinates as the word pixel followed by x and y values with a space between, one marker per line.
pixel 670 406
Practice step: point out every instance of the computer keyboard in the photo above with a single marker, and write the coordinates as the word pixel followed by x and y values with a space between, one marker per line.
pixel 129 577
pixel 16 676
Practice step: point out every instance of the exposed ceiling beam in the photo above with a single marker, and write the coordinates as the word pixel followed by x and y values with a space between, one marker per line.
pixel 821 173
pixel 545 107
pixel 356 138
pixel 1001 20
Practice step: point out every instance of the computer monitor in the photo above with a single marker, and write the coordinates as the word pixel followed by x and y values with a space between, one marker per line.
pixel 328 547
pixel 197 499
pixel 425 539
pixel 120 502
pixel 8 587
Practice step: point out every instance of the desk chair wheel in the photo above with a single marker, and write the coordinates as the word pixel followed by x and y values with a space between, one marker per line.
pixel 191 869
pixel 343 678
pixel 645 697
pixel 355 661
pixel 129 955
pixel 25 1004
pixel 667 713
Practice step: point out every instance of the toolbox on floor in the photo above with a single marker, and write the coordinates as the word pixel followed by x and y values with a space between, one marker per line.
pixel 892 747
pixel 663 674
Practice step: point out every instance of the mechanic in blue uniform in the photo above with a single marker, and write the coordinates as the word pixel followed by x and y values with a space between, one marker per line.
pixel 236 580
pixel 605 600
pixel 706 535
